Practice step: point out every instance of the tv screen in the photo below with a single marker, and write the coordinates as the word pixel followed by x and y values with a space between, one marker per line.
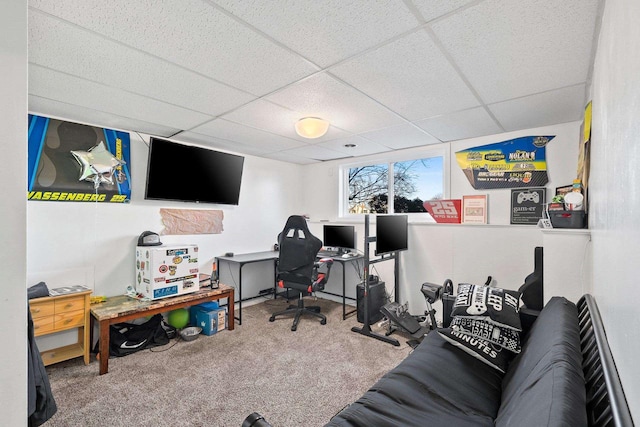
pixel 391 233
pixel 192 174
pixel 339 236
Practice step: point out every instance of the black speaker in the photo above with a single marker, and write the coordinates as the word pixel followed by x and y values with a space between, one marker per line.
pixel 377 298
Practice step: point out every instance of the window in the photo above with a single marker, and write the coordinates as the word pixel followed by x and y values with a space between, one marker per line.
pixel 393 187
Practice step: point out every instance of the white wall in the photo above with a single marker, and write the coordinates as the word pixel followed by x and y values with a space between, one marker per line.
pixel 615 188
pixel 96 243
pixel 462 253
pixel 13 188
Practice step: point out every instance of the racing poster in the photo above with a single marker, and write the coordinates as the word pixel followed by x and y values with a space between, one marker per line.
pixel 72 162
pixel 515 163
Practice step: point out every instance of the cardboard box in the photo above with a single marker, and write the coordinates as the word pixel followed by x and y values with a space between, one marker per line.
pixel 166 271
pixel 212 321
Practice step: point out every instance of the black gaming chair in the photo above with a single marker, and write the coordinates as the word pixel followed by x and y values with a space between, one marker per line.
pixel 298 269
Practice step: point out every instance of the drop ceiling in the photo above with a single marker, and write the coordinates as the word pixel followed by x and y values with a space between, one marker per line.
pixel 387 74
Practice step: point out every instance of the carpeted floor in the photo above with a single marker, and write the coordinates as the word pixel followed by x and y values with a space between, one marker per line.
pixel 291 378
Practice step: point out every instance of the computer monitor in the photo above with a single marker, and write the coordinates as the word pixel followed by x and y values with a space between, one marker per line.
pixel 391 233
pixel 341 237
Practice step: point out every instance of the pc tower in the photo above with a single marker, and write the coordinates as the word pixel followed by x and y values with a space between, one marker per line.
pixel 377 298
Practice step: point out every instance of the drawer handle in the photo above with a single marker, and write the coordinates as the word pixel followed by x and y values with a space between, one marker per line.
pixel 36 310
pixel 36 327
pixel 68 321
pixel 69 305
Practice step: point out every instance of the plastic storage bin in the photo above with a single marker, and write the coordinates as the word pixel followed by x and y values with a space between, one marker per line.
pixel 568 219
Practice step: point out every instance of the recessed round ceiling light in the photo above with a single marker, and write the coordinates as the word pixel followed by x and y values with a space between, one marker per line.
pixel 311 127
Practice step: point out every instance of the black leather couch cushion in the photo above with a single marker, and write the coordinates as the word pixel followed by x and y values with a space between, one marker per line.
pixel 546 378
pixel 436 385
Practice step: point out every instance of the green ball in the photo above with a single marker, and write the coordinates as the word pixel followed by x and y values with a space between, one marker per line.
pixel 178 318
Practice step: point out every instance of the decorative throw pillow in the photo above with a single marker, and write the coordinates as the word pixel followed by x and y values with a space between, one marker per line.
pixel 495 305
pixel 506 338
pixel 488 353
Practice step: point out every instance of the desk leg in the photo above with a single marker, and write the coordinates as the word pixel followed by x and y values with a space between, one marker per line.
pixel 104 346
pixel 240 292
pixel 232 310
pixel 344 299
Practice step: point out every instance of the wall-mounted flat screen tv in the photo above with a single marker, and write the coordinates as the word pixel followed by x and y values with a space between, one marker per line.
pixel 391 233
pixel 192 174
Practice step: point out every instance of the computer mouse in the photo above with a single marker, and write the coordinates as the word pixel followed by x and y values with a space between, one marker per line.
pixel 346 255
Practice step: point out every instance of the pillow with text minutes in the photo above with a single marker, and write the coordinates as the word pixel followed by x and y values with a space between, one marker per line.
pixel 506 338
pixel 495 305
pixel 491 354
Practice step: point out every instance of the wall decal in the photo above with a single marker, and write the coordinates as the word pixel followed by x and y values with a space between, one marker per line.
pixel 515 163
pixel 191 221
pixel 72 162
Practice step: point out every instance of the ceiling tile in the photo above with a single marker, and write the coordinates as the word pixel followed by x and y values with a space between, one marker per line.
pixel 72 90
pixel 399 137
pixel 460 125
pixel 432 9
pixel 67 48
pixel 362 147
pixel 323 96
pixel 325 31
pixel 411 76
pixel 315 152
pixel 284 157
pixel 558 106
pixel 191 33
pixel 220 144
pixel 273 118
pixel 231 131
pixel 56 109
pixel 511 49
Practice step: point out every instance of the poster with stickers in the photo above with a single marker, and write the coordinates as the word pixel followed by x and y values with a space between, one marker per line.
pixel 72 162
pixel 515 163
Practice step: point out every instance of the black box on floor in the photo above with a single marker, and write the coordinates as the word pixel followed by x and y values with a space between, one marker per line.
pixel 377 298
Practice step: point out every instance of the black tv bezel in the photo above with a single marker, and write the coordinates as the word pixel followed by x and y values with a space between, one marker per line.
pixel 406 228
pixel 236 200
pixel 353 234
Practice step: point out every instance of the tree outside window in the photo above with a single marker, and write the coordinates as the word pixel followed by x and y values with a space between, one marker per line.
pixel 412 183
pixel 368 189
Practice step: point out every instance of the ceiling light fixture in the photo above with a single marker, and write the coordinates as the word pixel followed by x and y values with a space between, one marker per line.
pixel 350 145
pixel 311 127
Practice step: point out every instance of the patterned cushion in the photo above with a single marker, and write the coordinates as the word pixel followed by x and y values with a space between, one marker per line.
pixel 494 305
pixel 491 354
pixel 508 339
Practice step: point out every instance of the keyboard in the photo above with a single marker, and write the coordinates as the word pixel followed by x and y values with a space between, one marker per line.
pixel 327 254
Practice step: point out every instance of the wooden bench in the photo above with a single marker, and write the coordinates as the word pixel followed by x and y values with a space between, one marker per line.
pixel 122 308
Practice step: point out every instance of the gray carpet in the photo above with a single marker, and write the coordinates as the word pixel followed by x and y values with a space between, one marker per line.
pixel 291 378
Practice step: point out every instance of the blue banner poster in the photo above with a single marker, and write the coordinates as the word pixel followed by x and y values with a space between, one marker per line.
pixel 72 162
pixel 515 163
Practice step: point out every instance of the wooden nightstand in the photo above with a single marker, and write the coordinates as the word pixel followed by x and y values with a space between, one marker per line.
pixel 61 313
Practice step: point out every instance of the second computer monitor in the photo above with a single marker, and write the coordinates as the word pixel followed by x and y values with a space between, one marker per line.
pixel 391 233
pixel 341 237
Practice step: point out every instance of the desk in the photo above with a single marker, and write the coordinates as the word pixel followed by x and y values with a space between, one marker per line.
pixel 242 260
pixel 122 308
pixel 343 262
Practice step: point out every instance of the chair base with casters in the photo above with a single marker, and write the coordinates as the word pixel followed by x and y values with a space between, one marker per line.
pixel 299 310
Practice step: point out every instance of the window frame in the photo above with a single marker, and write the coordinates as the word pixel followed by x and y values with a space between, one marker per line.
pixel 389 158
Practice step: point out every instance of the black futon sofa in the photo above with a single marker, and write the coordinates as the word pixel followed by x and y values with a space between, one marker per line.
pixel 563 376
pixel 556 380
